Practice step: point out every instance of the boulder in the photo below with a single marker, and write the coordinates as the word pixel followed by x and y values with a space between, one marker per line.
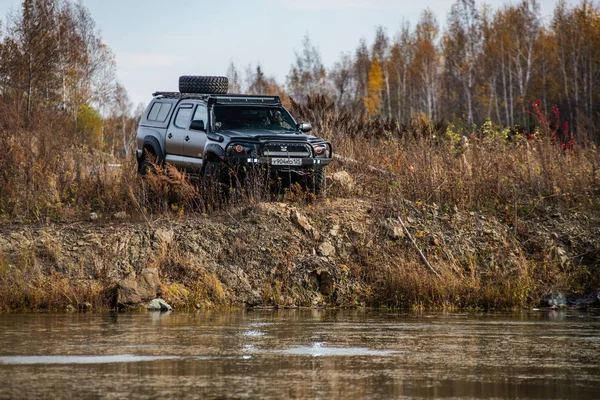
pixel 344 179
pixel 134 290
pixel 158 305
pixel 557 299
pixel 395 232
pixel 326 249
pixel 164 236
pixel 303 222
pixel 121 215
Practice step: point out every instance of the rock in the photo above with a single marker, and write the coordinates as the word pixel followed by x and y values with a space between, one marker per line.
pixel 70 308
pixel 121 215
pixel 326 249
pixel 158 305
pixel 254 298
pixel 324 282
pixel 557 299
pixel 344 179
pixel 395 232
pixel 562 256
pixel 304 224
pixel 164 236
pixel 85 306
pixel 335 230
pixel 302 221
pixel 93 216
pixel 133 290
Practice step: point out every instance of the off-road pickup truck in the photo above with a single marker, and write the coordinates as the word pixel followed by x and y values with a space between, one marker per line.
pixel 208 132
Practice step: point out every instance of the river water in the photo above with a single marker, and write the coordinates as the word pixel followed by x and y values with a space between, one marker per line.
pixel 319 354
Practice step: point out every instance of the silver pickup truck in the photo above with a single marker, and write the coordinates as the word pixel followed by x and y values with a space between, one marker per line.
pixel 208 132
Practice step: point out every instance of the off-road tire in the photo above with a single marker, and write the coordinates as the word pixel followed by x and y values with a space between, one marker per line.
pixel 212 172
pixel 317 184
pixel 148 162
pixel 203 84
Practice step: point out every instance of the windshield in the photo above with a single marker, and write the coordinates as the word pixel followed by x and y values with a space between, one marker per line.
pixel 253 117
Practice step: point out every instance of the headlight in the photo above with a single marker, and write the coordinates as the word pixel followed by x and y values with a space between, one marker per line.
pixel 240 149
pixel 321 150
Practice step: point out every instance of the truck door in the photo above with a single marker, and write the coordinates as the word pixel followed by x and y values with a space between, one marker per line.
pixel 178 129
pixel 194 146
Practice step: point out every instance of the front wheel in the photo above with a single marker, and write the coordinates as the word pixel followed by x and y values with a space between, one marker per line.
pixel 317 184
pixel 212 172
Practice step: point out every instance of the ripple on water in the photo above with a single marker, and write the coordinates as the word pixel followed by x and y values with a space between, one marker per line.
pixel 253 332
pixel 120 358
pixel 318 350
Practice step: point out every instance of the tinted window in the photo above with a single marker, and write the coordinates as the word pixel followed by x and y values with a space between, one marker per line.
pixel 153 114
pixel 164 112
pixel 253 117
pixel 183 117
pixel 201 114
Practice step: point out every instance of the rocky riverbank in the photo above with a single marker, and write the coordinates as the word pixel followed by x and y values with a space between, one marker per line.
pixel 339 252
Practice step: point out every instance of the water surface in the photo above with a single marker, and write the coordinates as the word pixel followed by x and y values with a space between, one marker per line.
pixel 301 354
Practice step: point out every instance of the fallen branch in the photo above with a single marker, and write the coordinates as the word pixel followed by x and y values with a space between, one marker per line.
pixel 418 250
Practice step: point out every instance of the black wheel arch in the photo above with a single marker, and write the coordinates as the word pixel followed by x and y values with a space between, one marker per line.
pixel 152 145
pixel 213 152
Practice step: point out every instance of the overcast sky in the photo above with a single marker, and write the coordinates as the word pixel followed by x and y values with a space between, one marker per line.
pixel 156 41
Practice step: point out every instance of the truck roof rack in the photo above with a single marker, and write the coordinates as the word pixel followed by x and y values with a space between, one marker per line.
pixel 221 98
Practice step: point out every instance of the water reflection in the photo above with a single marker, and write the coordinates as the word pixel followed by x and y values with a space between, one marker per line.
pixel 301 354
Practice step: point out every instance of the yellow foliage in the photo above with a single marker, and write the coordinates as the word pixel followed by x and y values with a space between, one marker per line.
pixel 375 86
pixel 89 124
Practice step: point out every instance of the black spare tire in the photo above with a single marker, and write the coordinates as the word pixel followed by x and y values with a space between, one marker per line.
pixel 203 84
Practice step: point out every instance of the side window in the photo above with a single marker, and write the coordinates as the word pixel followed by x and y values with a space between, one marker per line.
pixel 164 112
pixel 184 114
pixel 153 114
pixel 201 114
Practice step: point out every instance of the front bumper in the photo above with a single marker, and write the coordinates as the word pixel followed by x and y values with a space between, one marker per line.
pixel 267 162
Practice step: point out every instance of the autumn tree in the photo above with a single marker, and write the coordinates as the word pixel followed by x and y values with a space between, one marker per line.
pixel 375 86
pixel 234 78
pixel 307 75
pixel 462 45
pixel 426 64
pixel 342 79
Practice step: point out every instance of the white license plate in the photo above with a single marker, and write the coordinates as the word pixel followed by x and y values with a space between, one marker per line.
pixel 286 161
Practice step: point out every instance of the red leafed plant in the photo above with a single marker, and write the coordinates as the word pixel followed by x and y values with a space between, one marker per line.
pixel 551 128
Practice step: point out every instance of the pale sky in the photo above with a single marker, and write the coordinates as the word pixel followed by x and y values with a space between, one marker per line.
pixel 156 41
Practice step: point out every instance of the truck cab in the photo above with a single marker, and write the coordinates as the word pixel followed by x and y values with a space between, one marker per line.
pixel 212 134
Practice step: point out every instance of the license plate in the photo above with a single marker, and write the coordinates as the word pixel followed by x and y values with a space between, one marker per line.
pixel 286 161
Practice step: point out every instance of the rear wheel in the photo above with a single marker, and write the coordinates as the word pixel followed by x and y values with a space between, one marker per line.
pixel 147 162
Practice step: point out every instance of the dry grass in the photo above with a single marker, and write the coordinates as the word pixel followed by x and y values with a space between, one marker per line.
pixel 514 180
pixel 480 170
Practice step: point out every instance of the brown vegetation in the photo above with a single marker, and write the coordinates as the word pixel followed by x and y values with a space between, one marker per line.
pixel 503 220
pixel 504 216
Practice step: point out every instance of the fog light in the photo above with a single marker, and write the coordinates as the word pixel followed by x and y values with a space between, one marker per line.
pixel 239 148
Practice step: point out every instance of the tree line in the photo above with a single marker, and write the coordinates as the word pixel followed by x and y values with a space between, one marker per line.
pixel 484 65
pixel 55 67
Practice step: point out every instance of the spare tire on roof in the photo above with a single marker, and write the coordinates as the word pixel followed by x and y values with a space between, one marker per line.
pixel 203 84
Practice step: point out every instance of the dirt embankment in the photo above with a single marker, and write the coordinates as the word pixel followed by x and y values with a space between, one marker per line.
pixel 341 252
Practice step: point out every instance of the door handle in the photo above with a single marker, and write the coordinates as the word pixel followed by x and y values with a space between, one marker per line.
pixel 170 135
pixel 187 138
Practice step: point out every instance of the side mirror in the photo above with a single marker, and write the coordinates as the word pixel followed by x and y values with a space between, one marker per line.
pixel 305 127
pixel 198 125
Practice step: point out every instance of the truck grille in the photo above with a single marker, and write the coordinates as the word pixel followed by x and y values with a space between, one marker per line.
pixel 286 150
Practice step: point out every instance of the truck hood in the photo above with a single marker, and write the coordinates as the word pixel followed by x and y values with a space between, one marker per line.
pixel 260 133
